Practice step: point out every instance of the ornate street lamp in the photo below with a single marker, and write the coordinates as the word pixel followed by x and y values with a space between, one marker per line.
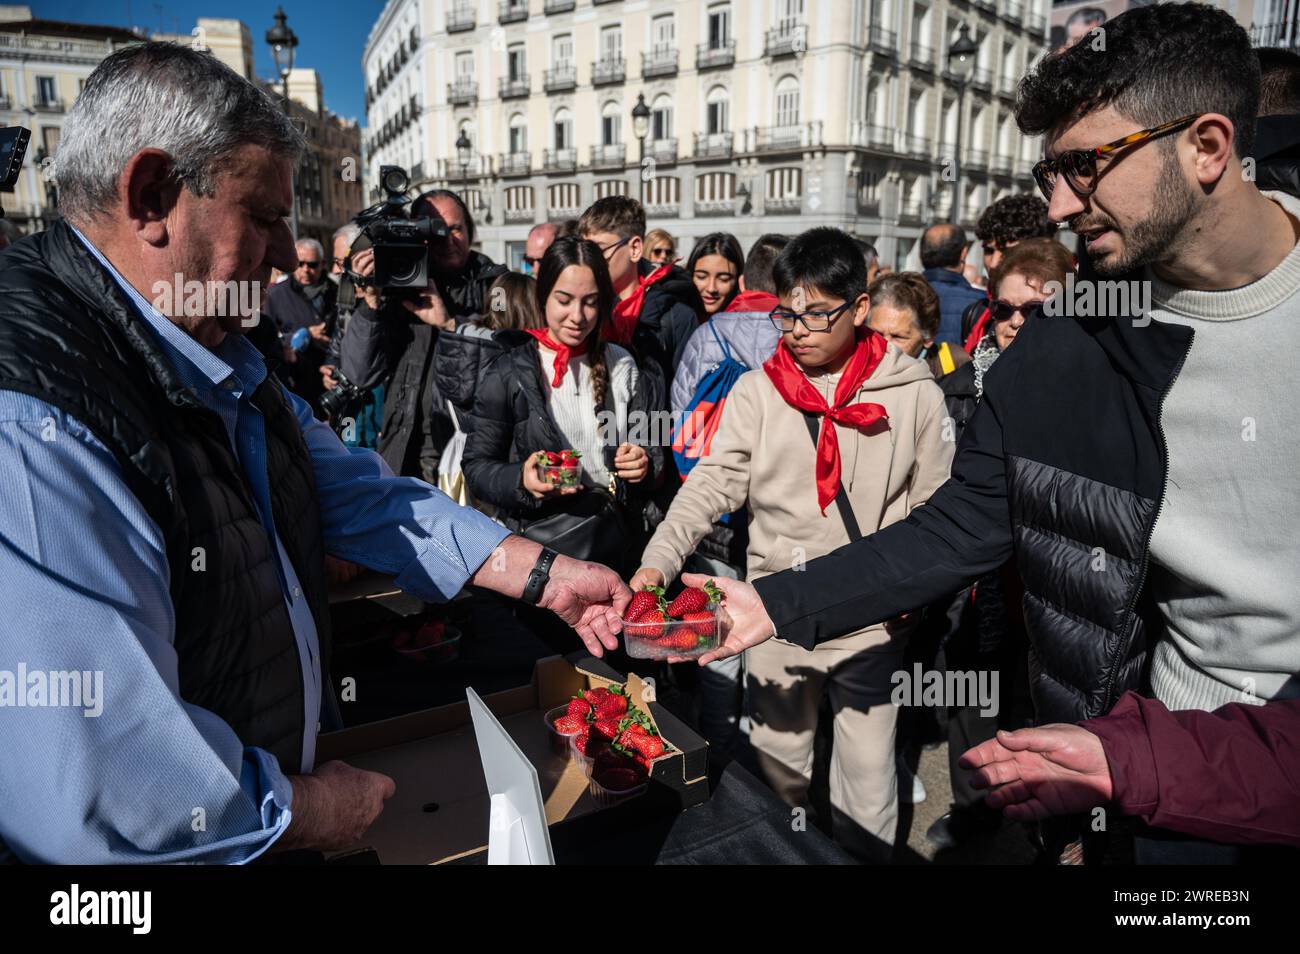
pixel 282 41
pixel 961 61
pixel 640 127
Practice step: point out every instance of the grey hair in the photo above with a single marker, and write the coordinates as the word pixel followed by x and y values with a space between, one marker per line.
pixel 164 96
pixel 349 232
pixel 312 244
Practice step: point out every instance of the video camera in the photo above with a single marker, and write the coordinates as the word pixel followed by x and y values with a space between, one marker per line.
pixel 401 243
pixel 13 146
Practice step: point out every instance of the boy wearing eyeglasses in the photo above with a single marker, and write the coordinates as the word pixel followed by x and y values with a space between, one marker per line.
pixel 837 435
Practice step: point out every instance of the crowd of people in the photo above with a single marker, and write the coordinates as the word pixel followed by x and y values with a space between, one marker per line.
pixel 876 466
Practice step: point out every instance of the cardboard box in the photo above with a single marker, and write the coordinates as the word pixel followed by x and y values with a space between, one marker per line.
pixel 440 810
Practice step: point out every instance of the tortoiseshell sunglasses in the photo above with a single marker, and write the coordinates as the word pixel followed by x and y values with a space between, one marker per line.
pixel 1079 166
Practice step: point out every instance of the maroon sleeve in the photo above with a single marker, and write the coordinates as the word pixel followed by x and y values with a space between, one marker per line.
pixel 1232 775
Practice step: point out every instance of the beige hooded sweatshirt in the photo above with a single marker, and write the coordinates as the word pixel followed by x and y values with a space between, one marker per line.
pixel 763 454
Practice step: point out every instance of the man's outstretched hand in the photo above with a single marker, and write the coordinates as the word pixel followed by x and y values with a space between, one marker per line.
pixel 589 597
pixel 1053 770
pixel 745 622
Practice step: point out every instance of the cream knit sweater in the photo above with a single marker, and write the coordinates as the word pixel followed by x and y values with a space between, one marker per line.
pixel 573 405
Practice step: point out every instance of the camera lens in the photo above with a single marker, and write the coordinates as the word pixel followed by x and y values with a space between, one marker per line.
pixel 395 180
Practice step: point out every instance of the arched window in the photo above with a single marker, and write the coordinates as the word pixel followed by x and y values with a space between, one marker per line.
pixel 717 111
pixel 563 129
pixel 661 118
pixel 611 124
pixel 518 133
pixel 787 101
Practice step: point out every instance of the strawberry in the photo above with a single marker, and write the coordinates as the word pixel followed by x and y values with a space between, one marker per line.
pixel 614 708
pixel 608 728
pixel 642 743
pixel 643 601
pixel 579 707
pixel 552 457
pixel 651 625
pixel 693 599
pixel 703 623
pixel 684 638
pixel 596 696
pixel 618 778
pixel 569 458
pixel 587 742
pixel 569 724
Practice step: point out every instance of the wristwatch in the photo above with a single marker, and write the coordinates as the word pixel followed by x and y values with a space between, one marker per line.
pixel 537 577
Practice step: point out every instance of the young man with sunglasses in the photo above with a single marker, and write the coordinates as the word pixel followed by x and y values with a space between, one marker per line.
pixel 1140 467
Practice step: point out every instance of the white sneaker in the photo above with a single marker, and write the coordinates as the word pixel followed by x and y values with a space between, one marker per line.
pixel 917 792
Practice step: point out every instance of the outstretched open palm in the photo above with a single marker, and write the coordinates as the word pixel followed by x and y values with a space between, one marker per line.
pixel 1033 773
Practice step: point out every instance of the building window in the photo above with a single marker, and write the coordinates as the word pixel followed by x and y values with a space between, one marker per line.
pixel 45 89
pixel 611 124
pixel 518 133
pixel 562 50
pixel 663 34
pixel 563 129
pixel 717 109
pixel 608 187
pixel 787 101
pixel 563 196
pixel 785 183
pixel 465 65
pixel 715 187
pixel 663 190
pixel 661 119
pixel 719 27
pixel 519 199
pixel 611 44
pixel 516 65
pixel 789 15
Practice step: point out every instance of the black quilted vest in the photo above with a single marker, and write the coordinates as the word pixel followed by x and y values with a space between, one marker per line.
pixel 70 337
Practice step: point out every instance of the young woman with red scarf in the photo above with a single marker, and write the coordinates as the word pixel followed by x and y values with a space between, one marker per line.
pixel 559 387
pixel 838 434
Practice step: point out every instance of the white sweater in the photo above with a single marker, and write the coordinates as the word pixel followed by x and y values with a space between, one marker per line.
pixel 573 405
pixel 1225 550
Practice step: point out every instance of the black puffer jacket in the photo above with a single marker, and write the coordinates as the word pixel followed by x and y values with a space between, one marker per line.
pixel 1277 154
pixel 1064 457
pixel 510 420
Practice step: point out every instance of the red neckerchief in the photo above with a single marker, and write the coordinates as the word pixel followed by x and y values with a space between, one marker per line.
pixel 562 353
pixel 977 332
pixel 793 385
pixel 628 311
pixel 753 301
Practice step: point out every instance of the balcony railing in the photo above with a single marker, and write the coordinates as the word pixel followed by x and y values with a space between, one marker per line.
pixel 515 164
pixel 786 40
pixel 604 72
pixel 1024 167
pixel 560 78
pixel 915 145
pixel 1036 24
pixel 596 3
pixel 462 91
pixel 1007 85
pixel 560 160
pixel 514 88
pixel 512 11
pixel 460 18
pixel 1001 165
pixel 663 210
pixel 911 209
pixel 981 78
pixel 883 41
pixel 610 156
pixel 660 61
pixel 879 137
pixel 1275 33
pixel 977 158
pixel 990 5
pixel 663 150
pixel 712 57
pixel 716 207
pixel 713 145
pixel 786 205
pixel 559 6
pixel 48 105
pixel 1012 11
pixel 921 56
pixel 520 215
pixel 781 138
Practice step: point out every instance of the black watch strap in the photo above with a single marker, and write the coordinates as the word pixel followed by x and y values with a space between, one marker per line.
pixel 537 578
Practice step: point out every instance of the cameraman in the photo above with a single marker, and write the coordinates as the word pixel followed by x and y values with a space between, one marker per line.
pixel 390 341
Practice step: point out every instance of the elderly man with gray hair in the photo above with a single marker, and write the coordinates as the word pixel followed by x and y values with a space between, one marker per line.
pixel 170 507
pixel 304 310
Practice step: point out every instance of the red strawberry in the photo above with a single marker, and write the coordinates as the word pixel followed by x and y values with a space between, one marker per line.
pixel 693 599
pixel 552 457
pixel 607 728
pixel 651 625
pixel 579 708
pixel 569 724
pixel 587 742
pixel 704 623
pixel 643 601
pixel 569 457
pixel 596 696
pixel 613 706
pixel 684 638
pixel 618 778
pixel 642 743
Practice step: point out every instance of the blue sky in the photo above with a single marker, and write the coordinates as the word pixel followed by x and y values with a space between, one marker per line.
pixel 331 33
